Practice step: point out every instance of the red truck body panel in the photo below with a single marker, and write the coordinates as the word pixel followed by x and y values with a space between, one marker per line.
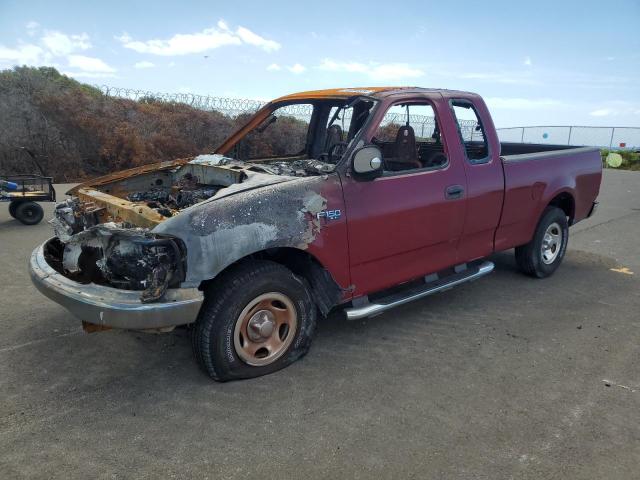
pixel 401 227
pixel 330 244
pixel 534 180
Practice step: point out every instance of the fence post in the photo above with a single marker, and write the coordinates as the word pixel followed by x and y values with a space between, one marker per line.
pixel 522 136
pixel 613 129
pixel 569 139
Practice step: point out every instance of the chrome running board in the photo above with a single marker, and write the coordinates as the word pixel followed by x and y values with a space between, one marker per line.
pixel 435 286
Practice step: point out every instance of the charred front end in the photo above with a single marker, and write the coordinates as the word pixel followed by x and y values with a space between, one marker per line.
pixel 113 255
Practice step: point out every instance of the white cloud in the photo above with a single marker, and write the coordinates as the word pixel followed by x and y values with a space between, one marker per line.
pixel 333 66
pixel 144 64
pixel 59 43
pixel 522 103
pixel 89 64
pixel 25 54
pixel 297 68
pixel 190 43
pixel 507 78
pixel 32 28
pixel 247 36
pixel 602 112
pixel 51 48
pixel 182 44
pixel 394 71
pixel 616 109
pixel 89 74
pixel 527 61
pixel 274 67
pixel 374 70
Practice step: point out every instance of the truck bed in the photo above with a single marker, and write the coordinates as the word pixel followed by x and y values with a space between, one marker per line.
pixel 535 175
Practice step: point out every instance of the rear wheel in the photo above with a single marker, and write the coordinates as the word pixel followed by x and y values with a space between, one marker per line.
pixel 544 253
pixel 29 213
pixel 257 319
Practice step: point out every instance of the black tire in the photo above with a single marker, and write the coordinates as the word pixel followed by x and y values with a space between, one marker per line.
pixel 227 298
pixel 29 213
pixel 13 205
pixel 530 257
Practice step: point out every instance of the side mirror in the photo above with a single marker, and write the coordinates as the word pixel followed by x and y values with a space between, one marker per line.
pixel 367 161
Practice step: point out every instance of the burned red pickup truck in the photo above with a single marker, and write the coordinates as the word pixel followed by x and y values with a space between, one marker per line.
pixel 374 197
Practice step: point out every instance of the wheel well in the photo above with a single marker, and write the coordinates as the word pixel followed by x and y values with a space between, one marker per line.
pixel 325 291
pixel 566 203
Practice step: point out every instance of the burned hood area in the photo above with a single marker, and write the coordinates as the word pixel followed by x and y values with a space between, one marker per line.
pixel 111 232
pixel 206 175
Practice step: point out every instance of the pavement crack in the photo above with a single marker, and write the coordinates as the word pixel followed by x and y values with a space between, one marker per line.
pixel 11 348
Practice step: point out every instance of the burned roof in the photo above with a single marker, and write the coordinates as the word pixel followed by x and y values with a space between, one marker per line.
pixel 367 91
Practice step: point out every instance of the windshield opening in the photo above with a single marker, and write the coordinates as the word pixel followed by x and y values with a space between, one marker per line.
pixel 318 131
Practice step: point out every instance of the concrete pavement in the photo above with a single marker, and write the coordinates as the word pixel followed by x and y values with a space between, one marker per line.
pixel 507 377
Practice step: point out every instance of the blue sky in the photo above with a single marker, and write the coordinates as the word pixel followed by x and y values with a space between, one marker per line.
pixel 536 63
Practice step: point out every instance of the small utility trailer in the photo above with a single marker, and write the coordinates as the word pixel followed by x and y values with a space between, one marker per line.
pixel 22 192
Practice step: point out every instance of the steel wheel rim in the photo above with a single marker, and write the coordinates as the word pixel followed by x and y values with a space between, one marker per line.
pixel 265 329
pixel 551 243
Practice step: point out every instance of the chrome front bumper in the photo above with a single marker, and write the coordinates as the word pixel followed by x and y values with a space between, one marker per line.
pixel 113 307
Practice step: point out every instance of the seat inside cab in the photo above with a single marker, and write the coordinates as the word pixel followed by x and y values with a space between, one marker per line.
pixel 409 137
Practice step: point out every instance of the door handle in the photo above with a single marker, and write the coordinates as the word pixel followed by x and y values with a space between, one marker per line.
pixel 453 192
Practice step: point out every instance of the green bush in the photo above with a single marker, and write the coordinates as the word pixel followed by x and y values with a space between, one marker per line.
pixel 630 159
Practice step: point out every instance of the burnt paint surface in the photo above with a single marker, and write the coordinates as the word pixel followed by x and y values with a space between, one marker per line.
pixel 219 232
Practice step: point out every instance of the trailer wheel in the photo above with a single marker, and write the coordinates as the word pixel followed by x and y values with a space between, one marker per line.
pixel 13 205
pixel 256 319
pixel 29 213
pixel 544 253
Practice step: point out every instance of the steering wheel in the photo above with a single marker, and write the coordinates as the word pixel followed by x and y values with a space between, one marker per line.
pixel 336 149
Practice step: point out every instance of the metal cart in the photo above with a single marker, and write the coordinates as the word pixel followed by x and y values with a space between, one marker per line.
pixel 22 192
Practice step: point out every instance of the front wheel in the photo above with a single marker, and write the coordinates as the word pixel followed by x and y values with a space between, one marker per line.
pixel 544 253
pixel 256 319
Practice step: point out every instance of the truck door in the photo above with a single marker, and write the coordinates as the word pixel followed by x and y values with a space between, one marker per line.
pixel 478 150
pixel 407 222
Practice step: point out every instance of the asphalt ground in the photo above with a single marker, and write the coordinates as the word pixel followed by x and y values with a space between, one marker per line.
pixel 506 377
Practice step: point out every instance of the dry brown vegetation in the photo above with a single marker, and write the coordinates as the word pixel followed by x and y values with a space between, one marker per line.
pixel 76 132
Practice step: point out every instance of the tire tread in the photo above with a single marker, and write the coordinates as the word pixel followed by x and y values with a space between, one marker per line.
pixel 218 294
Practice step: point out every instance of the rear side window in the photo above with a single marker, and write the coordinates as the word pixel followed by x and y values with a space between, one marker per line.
pixel 471 130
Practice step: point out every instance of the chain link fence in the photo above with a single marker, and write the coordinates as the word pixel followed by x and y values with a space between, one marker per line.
pixel 606 137
pixel 424 125
pixel 225 105
pixel 613 138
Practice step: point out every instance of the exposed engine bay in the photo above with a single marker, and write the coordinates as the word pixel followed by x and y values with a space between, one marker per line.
pixel 200 180
pixel 104 234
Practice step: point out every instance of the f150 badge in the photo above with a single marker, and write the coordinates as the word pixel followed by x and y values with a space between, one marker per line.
pixel 329 214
